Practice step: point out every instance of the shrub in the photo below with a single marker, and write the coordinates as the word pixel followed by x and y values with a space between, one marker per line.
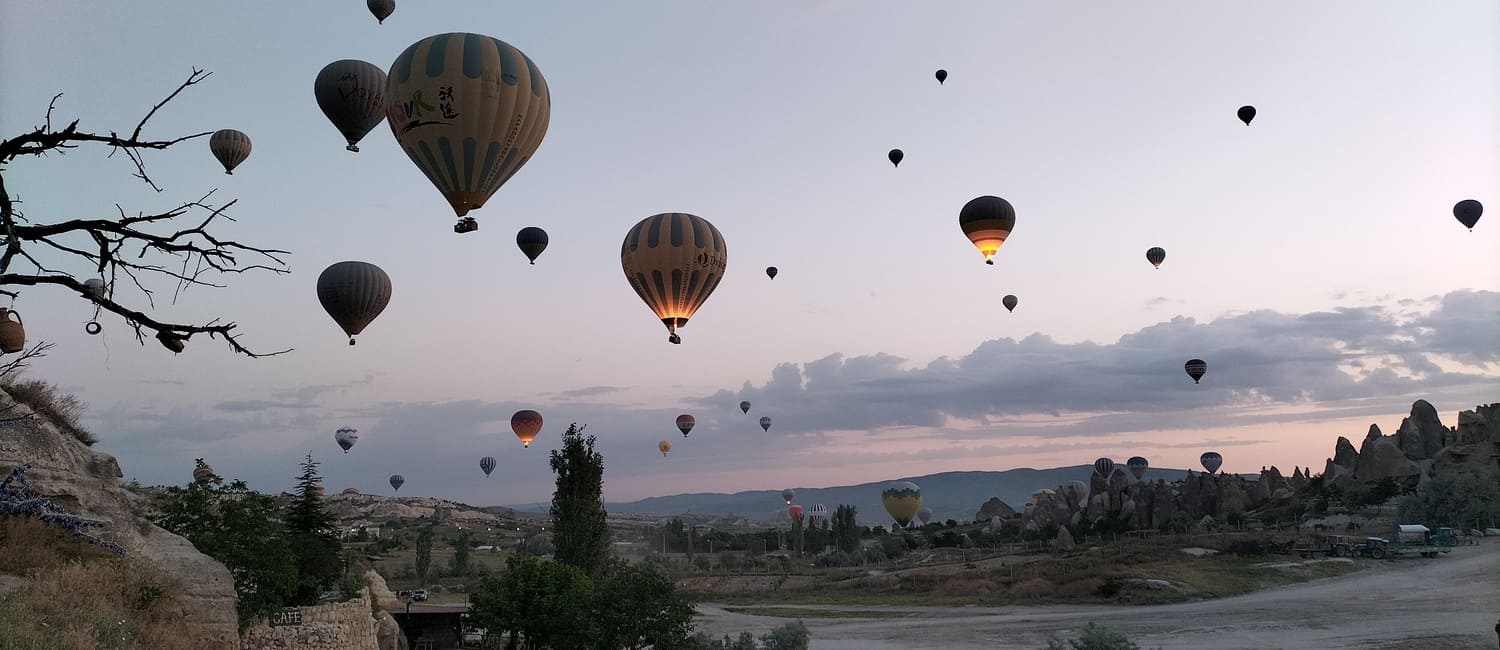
pixel 126 607
pixel 48 401
pixel 1094 638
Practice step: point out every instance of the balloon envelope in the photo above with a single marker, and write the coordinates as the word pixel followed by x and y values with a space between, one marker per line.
pixel 382 9
pixel 924 515
pixel 674 261
pixel 1246 114
pixel 787 495
pixel 469 110
pixel 1195 368
pixel 346 437
pixel 1104 467
pixel 987 222
pixel 526 424
pixel 942 75
pixel 744 407
pixel 1468 212
pixel 795 512
pixel 771 272
pixel 397 481
pixel 902 500
pixel 1076 490
pixel 354 293
pixel 1010 302
pixel 1138 466
pixel 895 157
pixel 1211 461
pixel 1156 255
pixel 765 423
pixel 351 94
pixel 231 147
pixel 487 464
pixel 685 423
pixel 664 447
pixel 532 241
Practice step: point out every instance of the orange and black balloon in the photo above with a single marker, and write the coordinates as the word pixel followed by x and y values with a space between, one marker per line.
pixel 674 261
pixel 526 423
pixel 987 221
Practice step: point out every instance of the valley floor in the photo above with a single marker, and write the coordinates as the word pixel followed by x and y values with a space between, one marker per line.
pixel 1412 604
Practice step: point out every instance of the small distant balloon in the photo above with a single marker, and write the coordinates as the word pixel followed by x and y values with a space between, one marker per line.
pixel 1195 368
pixel 1156 255
pixel 487 464
pixel 685 423
pixel 787 495
pixel 771 272
pixel 895 155
pixel 231 147
pixel 942 75
pixel 382 9
pixel 1138 466
pixel 744 407
pixel 795 512
pixel 1211 461
pixel 1010 302
pixel 765 423
pixel 346 437
pixel 532 241
pixel 397 481
pixel 1467 212
pixel 924 515
pixel 664 447
pixel 1246 114
pixel 1104 467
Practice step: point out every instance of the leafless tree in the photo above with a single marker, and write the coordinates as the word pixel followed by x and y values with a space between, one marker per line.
pixel 138 246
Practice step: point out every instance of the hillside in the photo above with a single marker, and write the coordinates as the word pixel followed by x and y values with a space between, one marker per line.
pixel 950 495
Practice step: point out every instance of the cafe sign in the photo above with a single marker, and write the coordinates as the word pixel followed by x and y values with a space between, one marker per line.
pixel 287 617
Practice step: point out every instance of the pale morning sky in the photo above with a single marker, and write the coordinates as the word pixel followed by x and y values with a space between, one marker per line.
pixel 1312 258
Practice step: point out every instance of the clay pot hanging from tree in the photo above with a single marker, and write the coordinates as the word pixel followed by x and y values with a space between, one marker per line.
pixel 12 332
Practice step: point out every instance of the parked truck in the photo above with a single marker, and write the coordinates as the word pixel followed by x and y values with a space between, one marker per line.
pixel 1410 540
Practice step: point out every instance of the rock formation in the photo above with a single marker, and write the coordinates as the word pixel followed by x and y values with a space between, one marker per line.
pixel 86 482
pixel 994 508
pixel 1421 447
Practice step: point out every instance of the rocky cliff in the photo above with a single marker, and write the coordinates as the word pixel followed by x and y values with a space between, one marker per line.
pixel 1420 448
pixel 86 482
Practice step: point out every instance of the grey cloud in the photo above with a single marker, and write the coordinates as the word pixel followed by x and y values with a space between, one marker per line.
pixel 591 391
pixel 250 405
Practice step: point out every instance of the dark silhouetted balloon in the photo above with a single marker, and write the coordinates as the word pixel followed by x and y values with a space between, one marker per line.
pixel 744 407
pixel 942 75
pixel 1104 467
pixel 1156 255
pixel 1246 114
pixel 397 481
pixel 895 155
pixel 1138 466
pixel 352 96
pixel 787 495
pixel 674 261
pixel 765 423
pixel 231 147
pixel 354 293
pixel 526 424
pixel 1010 302
pixel 532 241
pixel 1211 461
pixel 1195 369
pixel 771 272
pixel 685 423
pixel 987 222
pixel 382 9
pixel 1467 212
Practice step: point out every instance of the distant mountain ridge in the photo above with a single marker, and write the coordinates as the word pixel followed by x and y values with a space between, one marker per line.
pixel 950 495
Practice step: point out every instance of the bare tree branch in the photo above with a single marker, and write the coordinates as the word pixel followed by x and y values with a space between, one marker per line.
pixel 120 244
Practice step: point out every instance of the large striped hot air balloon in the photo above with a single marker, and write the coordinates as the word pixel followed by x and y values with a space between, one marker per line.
pixel 231 147
pixel 469 110
pixel 685 423
pixel 902 500
pixel 487 464
pixel 1104 467
pixel 526 423
pixel 354 293
pixel 1195 368
pixel 674 260
pixel 987 222
pixel 351 94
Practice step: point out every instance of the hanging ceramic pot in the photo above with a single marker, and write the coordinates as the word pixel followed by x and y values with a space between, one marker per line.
pixel 12 332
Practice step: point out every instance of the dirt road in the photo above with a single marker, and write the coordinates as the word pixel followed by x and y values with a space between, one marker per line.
pixel 1451 602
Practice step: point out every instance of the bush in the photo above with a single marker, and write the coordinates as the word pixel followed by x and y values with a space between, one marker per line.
pixel 1094 638
pixel 126 607
pixel 48 401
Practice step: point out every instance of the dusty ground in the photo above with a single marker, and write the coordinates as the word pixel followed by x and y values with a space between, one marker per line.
pixel 1449 602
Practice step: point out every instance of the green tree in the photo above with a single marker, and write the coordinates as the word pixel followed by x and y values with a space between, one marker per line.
pixel 1384 490
pixel 638 607
pixel 1094 638
pixel 792 636
pixel 315 541
pixel 241 529
pixel 1457 498
pixel 424 553
pixel 461 548
pixel 578 527
pixel 537 604
pixel 846 528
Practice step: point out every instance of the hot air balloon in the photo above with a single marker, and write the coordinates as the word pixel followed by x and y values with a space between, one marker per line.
pixel 354 293
pixel 1104 467
pixel 924 515
pixel 1211 461
pixel 1076 491
pixel 895 156
pixel 487 464
pixel 381 8
pixel 817 511
pixel 744 407
pixel 346 437
pixel 1246 114
pixel 795 512
pixel 664 447
pixel 902 500
pixel 771 272
pixel 469 110
pixel 987 221
pixel 787 494
pixel 1010 302
pixel 397 481
pixel 532 241
pixel 526 423
pixel 942 75
pixel 685 423
pixel 231 147
pixel 1156 255
pixel 202 472
pixel 352 96
pixel 765 423
pixel 674 260
pixel 1138 466
pixel 319 490
pixel 1195 368
pixel 1467 212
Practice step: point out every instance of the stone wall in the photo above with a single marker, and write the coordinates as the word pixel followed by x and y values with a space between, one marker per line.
pixel 338 626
